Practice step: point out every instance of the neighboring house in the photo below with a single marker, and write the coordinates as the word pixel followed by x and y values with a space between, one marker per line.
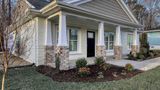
pixel 154 39
pixel 78 29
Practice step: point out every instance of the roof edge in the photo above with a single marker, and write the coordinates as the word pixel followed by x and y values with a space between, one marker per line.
pixel 29 4
pixel 65 5
pixel 127 10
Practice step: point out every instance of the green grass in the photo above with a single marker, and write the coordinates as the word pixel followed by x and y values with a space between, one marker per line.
pixel 28 79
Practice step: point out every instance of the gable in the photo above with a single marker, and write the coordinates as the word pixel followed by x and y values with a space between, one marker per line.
pixel 110 8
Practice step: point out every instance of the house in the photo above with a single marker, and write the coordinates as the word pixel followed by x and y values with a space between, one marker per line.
pixel 153 39
pixel 78 29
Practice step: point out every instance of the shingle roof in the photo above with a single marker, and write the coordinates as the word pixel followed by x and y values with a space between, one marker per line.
pixel 38 4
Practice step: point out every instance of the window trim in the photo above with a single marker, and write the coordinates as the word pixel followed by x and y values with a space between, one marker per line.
pixel 68 33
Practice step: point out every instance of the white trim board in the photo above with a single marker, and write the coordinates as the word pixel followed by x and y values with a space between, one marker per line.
pixel 29 4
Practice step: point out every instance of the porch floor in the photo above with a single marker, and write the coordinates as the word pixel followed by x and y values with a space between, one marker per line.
pixel 140 65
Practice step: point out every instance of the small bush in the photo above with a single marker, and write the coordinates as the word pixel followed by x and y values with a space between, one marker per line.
pixel 129 67
pixel 131 57
pixel 140 56
pixel 83 71
pixel 99 61
pixel 151 54
pixel 105 66
pixel 81 63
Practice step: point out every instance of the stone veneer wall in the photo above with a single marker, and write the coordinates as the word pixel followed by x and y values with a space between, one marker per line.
pixel 50 55
pixel 101 52
pixel 117 52
pixel 63 52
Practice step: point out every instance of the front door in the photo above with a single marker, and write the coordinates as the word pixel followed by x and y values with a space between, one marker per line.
pixel 90 44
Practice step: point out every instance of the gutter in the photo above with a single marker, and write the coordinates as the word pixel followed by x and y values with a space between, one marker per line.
pixel 152 31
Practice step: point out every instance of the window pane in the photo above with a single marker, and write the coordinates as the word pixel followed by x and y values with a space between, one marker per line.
pixel 106 36
pixel 73 45
pixel 73 34
pixel 106 43
pixel 109 40
pixel 111 46
pixel 130 40
pixel 111 37
pixel 73 39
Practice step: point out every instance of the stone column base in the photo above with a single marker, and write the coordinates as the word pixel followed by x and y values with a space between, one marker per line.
pixel 50 54
pixel 117 52
pixel 134 49
pixel 101 52
pixel 63 53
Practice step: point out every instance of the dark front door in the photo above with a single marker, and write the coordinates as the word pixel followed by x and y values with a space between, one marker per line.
pixel 90 44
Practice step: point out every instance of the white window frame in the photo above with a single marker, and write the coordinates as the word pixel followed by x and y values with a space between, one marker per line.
pixel 108 41
pixel 68 32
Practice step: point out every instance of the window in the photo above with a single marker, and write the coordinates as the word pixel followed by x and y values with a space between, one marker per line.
pixel 109 40
pixel 73 39
pixel 129 40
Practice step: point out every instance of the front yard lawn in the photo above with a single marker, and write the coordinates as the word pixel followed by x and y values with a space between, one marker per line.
pixel 28 79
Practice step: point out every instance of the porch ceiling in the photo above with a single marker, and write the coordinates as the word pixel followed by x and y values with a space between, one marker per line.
pixel 74 21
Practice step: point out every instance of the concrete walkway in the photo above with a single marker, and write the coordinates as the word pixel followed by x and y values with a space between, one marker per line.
pixel 140 65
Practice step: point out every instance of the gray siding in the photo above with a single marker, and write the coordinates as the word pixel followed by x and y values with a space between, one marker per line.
pixel 109 8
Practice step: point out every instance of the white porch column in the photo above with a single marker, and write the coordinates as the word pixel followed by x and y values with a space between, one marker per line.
pixel 49 57
pixel 62 49
pixel 62 38
pixel 118 44
pixel 135 37
pixel 100 48
pixel 118 36
pixel 101 34
pixel 48 33
pixel 134 49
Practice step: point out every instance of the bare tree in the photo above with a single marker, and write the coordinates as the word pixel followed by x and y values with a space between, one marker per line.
pixel 153 10
pixel 15 35
pixel 146 12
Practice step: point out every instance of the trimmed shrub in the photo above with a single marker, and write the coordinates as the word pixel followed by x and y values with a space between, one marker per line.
pixel 105 66
pixel 81 63
pixel 99 61
pixel 140 56
pixel 151 54
pixel 144 45
pixel 83 71
pixel 131 56
pixel 129 67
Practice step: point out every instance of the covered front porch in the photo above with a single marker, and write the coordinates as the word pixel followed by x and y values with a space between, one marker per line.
pixel 75 36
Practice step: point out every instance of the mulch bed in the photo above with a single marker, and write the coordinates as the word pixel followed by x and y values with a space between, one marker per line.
pixel 72 76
